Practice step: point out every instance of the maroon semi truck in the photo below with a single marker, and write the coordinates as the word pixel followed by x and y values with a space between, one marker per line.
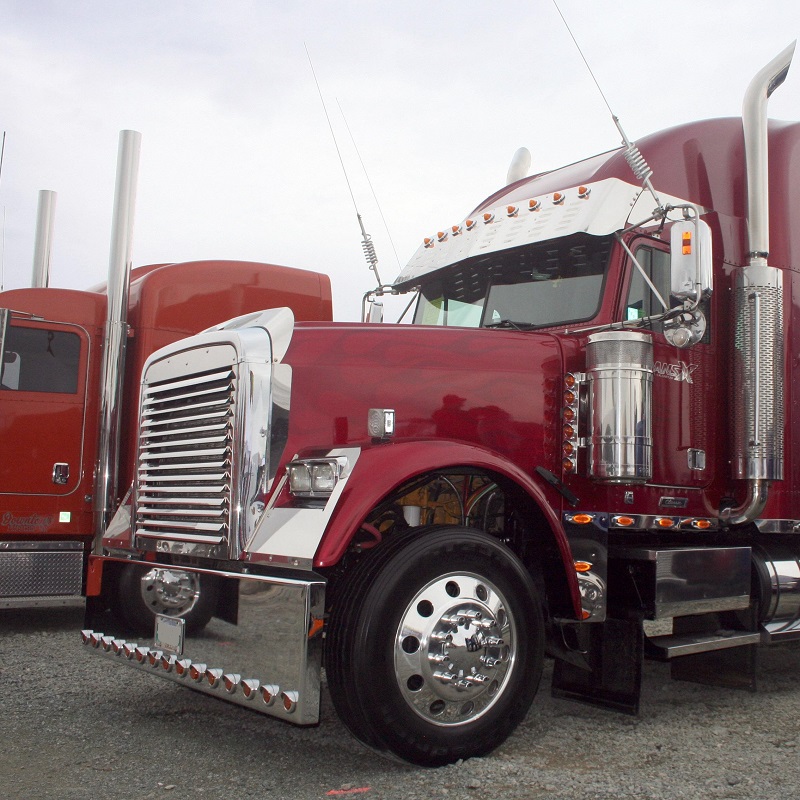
pixel 583 448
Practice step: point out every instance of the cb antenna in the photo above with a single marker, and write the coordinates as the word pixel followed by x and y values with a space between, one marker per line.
pixel 633 156
pixel 367 244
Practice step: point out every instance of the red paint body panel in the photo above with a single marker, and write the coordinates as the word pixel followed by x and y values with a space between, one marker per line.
pixel 167 302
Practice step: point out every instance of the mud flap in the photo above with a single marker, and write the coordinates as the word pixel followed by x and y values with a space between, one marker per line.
pixel 614 654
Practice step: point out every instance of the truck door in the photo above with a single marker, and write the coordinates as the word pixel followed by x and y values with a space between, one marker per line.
pixel 42 409
pixel 684 380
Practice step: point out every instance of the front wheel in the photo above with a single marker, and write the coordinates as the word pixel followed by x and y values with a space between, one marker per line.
pixel 435 645
pixel 143 592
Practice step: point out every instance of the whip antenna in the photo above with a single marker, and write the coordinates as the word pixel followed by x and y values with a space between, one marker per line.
pixel 366 242
pixel 635 159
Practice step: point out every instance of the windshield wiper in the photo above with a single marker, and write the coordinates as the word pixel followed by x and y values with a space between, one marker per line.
pixel 510 323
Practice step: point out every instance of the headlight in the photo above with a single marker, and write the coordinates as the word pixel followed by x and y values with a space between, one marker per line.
pixel 313 478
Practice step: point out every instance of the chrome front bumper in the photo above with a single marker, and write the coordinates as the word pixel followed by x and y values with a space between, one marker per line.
pixel 269 661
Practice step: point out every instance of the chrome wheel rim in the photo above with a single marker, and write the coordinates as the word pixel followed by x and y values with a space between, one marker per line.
pixel 455 649
pixel 170 591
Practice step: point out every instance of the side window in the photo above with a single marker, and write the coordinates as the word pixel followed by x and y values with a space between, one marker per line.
pixel 642 302
pixel 40 360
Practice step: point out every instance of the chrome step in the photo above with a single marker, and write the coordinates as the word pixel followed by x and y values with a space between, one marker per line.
pixel 673 646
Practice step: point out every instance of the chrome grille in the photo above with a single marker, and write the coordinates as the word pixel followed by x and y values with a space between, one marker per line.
pixel 186 457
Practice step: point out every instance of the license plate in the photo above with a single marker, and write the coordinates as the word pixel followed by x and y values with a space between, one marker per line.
pixel 169 634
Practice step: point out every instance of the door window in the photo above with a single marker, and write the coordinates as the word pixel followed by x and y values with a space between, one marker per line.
pixel 41 360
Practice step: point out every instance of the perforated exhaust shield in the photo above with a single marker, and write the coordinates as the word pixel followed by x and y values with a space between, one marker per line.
pixel 758 410
pixel 620 372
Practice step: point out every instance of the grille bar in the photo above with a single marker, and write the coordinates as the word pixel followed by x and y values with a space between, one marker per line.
pixel 185 458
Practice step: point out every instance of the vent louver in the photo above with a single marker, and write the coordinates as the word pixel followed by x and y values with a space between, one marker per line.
pixel 185 458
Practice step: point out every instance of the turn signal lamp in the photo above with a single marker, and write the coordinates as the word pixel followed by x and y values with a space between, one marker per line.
pixel 686 243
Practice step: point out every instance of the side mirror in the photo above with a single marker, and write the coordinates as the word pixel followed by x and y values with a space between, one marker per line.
pixel 691 273
pixel 375 311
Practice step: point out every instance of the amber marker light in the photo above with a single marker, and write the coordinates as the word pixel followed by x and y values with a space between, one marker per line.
pixel 582 566
pixel 427 241
pixel 701 524
pixel 197 672
pixel 569 380
pixel 441 235
pixel 213 676
pixel 488 217
pixel 470 223
pixel 182 667
pixel 534 205
pixel 624 522
pixel 686 243
pixel 584 192
pixel 231 681
pixel 664 522
pixel 250 688
pixel 269 692
pixel 569 397
pixel 289 701
pixel 568 448
pixel 455 230
pixel 512 211
pixel 569 414
pixel 567 465
pixel 558 198
pixel 569 431
pixel 581 519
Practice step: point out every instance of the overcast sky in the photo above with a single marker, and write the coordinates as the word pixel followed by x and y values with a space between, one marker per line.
pixel 237 159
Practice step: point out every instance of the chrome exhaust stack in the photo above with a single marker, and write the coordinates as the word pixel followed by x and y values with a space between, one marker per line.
pixel 116 333
pixel 758 306
pixel 43 243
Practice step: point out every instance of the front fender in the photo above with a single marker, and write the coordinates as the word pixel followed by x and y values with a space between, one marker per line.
pixel 382 469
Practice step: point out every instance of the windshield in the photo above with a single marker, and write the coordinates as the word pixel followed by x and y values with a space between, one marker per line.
pixel 537 285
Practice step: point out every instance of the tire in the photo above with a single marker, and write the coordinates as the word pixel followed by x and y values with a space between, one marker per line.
pixel 143 592
pixel 435 645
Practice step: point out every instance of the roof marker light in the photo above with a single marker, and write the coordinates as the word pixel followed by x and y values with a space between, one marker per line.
pixel 427 241
pixel 441 235
pixel 512 211
pixel 455 230
pixel 488 217
pixel 558 198
pixel 470 223
pixel 534 205
pixel 584 192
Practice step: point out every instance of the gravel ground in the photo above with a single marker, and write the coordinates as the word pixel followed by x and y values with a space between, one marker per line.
pixel 74 725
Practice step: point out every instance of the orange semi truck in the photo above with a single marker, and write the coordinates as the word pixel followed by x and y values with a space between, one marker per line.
pixel 69 404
